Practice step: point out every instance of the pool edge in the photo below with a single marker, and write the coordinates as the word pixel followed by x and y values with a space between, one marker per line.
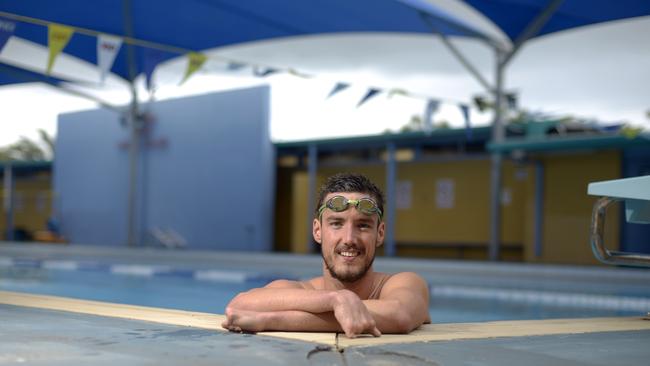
pixel 426 333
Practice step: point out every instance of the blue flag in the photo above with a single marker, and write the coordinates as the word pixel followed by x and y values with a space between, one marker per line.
pixel 263 72
pixel 337 88
pixel 371 93
pixel 152 58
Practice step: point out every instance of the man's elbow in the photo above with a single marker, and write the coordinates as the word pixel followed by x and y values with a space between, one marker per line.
pixel 405 323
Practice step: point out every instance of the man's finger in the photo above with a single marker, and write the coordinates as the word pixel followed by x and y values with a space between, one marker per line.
pixel 375 332
pixel 225 324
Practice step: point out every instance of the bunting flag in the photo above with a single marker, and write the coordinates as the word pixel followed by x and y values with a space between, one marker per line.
pixel 429 110
pixel 371 93
pixel 481 103
pixel 396 91
pixel 468 128
pixel 107 49
pixel 511 100
pixel 234 66
pixel 263 72
pixel 151 59
pixel 294 72
pixel 195 61
pixel 7 28
pixel 58 37
pixel 337 88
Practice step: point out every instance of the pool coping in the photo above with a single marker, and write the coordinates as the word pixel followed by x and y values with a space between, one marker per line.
pixel 426 333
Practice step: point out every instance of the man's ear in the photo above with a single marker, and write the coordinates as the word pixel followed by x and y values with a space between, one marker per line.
pixel 316 230
pixel 380 233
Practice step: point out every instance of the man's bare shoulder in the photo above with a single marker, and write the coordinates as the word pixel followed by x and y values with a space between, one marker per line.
pixel 312 284
pixel 410 280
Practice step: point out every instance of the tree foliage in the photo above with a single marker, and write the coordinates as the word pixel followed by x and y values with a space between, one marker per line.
pixel 26 149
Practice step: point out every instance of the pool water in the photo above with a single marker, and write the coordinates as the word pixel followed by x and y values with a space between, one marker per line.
pixel 211 294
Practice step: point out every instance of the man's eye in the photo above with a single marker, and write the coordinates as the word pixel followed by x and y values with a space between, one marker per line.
pixel 335 223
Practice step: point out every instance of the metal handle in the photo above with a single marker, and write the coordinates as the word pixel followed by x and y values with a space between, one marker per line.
pixel 596 237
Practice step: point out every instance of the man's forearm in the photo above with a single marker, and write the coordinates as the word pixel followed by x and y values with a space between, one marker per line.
pixel 301 321
pixel 271 299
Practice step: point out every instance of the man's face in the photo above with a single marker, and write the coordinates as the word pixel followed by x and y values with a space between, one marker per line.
pixel 348 239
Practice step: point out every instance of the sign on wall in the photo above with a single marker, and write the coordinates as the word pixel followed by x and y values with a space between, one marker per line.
pixel 404 192
pixel 445 193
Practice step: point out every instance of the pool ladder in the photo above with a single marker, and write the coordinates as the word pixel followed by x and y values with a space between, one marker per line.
pixel 636 194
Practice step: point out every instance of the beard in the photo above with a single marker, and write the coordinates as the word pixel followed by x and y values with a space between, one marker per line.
pixel 348 274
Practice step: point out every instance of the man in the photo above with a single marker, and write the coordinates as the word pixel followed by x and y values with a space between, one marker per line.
pixel 349 297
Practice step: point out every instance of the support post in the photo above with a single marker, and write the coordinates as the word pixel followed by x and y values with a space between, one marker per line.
pixel 389 214
pixel 498 135
pixel 133 236
pixel 312 168
pixel 134 158
pixel 8 201
pixel 539 207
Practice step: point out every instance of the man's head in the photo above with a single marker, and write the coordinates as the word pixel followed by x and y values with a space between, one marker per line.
pixel 349 182
pixel 348 225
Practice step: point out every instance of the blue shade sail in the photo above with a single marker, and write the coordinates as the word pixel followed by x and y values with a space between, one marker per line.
pixel 195 25
pixel 513 16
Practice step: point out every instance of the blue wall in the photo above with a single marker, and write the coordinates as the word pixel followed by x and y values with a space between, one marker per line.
pixel 207 172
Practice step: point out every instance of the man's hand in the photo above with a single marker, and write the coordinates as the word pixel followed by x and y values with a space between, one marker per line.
pixel 244 320
pixel 352 315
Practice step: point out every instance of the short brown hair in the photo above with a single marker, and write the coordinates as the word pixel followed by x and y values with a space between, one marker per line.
pixel 350 182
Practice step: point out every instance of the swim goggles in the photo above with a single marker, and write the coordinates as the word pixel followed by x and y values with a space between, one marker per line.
pixel 339 204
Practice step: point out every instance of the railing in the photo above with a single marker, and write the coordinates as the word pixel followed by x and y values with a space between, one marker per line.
pixel 597 243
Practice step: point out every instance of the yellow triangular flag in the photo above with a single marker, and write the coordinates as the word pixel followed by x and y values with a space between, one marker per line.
pixel 58 37
pixel 195 61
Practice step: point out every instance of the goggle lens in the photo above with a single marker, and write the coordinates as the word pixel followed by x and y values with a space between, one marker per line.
pixel 340 203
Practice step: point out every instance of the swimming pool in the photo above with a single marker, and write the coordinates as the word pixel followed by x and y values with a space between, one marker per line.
pixel 460 292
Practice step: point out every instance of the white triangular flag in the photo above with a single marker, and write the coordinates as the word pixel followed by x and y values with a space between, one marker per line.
pixel 107 49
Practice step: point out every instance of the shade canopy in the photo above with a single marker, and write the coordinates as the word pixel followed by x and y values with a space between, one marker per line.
pixel 14 75
pixel 163 29
pixel 513 17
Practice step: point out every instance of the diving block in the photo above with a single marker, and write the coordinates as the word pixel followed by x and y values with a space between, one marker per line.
pixel 635 192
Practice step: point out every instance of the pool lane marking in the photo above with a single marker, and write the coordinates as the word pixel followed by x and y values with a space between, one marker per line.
pixel 553 298
pixel 144 313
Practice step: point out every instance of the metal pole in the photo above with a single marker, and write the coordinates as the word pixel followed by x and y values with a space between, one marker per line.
pixel 498 135
pixel 391 173
pixel 9 200
pixel 312 168
pixel 134 126
pixel 539 207
pixel 134 150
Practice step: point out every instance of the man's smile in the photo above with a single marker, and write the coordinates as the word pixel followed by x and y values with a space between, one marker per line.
pixel 348 254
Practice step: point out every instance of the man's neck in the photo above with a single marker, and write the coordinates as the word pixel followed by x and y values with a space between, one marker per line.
pixel 362 287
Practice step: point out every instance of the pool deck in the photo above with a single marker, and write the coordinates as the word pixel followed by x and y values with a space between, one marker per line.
pixel 49 330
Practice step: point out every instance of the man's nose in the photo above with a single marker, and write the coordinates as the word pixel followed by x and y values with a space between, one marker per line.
pixel 350 234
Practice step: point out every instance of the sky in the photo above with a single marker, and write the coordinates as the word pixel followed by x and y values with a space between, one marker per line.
pixel 595 72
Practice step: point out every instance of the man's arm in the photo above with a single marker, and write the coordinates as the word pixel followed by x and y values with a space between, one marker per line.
pixel 403 304
pixel 287 305
pixel 284 295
